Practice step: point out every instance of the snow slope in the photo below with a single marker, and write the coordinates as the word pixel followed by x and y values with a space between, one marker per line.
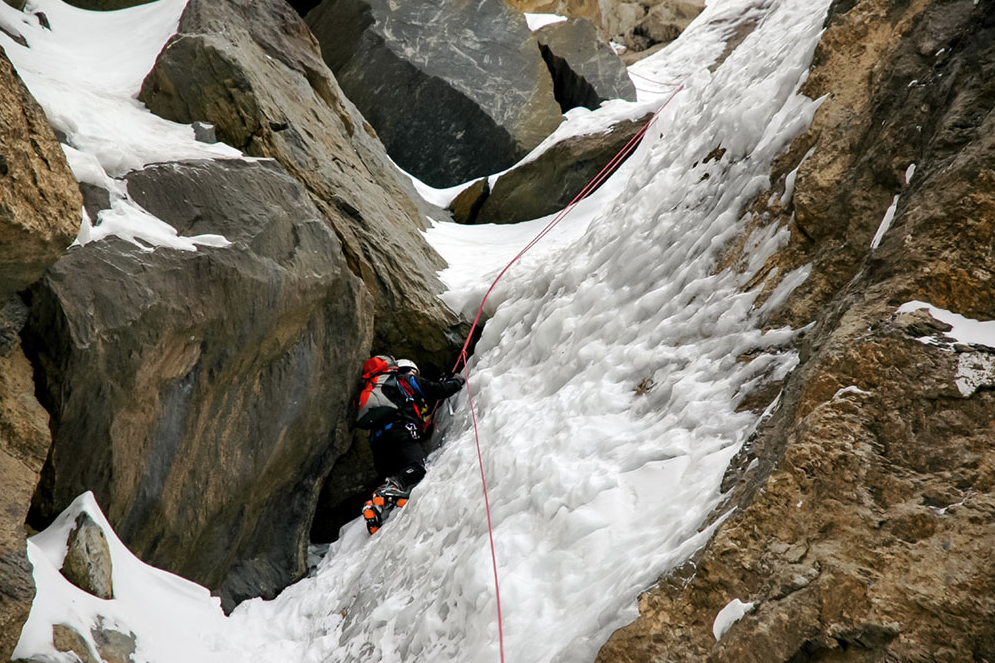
pixel 596 487
pixel 86 70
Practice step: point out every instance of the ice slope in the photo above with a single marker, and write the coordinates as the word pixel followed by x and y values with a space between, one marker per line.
pixel 596 488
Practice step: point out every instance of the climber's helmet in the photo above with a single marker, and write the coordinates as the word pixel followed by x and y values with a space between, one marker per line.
pixel 406 366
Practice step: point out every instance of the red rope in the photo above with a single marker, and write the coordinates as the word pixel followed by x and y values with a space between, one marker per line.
pixel 646 78
pixel 593 184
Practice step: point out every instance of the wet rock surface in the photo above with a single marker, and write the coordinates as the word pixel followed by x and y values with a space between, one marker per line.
pixel 205 389
pixel 866 513
pixel 414 70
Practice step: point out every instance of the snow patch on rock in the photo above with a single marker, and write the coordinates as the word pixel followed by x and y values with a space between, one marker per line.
pixel 729 615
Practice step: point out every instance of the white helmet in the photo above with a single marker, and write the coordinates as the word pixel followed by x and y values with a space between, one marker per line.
pixel 407 366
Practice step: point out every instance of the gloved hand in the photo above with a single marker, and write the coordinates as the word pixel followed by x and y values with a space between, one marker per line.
pixel 455 382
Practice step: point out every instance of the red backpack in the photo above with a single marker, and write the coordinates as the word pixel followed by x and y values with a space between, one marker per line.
pixel 383 394
pixel 374 404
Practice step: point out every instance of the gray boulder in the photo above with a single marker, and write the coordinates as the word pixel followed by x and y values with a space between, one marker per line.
pixel 547 184
pixel 198 393
pixel 88 562
pixel 105 645
pixel 455 90
pixel 253 69
pixel 585 69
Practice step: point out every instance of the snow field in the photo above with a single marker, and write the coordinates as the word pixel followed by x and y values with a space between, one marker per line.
pixel 596 487
pixel 85 72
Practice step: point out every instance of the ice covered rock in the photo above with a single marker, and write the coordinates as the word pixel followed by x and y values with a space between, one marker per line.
pixel 864 507
pixel 585 69
pixel 454 90
pixel 548 183
pixel 88 562
pixel 105 645
pixel 253 70
pixel 39 217
pixel 199 393
pixel 67 639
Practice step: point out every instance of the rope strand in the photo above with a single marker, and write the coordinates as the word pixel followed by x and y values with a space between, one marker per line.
pixel 463 357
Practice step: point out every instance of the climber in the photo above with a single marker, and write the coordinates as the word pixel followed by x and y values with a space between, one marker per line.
pixel 395 405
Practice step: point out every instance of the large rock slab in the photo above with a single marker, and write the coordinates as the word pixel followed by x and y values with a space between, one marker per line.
pixel 199 394
pixel 39 216
pixel 548 183
pixel 585 69
pixel 866 504
pixel 88 563
pixel 455 90
pixel 253 69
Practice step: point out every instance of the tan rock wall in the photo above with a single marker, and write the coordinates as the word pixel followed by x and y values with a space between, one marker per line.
pixel 40 203
pixel 24 442
pixel 865 528
pixel 39 216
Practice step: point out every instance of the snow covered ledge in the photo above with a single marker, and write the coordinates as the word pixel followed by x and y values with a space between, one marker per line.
pixel 171 616
pixel 974 369
pixel 88 89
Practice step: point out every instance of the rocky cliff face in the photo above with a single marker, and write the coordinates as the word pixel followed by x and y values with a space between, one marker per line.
pixel 866 516
pixel 203 395
pixel 39 216
pixel 254 71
